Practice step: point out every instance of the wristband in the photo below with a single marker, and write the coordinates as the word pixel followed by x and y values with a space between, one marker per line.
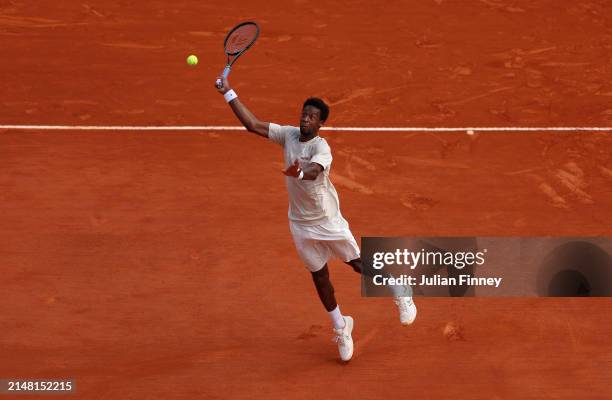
pixel 301 175
pixel 230 95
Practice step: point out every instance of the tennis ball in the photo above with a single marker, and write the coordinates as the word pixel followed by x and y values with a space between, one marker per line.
pixel 192 60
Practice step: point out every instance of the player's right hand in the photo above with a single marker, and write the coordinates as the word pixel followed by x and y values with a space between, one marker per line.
pixel 224 87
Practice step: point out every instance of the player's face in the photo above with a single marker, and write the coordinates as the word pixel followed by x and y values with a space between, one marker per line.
pixel 310 121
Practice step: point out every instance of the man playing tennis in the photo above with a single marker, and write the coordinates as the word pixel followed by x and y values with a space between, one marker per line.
pixel 319 231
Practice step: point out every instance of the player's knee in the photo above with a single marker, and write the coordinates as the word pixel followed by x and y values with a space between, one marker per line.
pixel 321 276
pixel 356 265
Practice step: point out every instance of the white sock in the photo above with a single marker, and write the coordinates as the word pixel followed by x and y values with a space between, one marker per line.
pixel 336 318
pixel 401 291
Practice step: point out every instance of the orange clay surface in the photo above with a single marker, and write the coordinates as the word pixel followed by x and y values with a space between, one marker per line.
pixel 160 265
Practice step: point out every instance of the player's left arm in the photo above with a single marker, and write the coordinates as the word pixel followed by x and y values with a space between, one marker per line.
pixel 308 172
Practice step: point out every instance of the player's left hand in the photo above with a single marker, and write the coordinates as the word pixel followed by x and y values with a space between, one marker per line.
pixel 293 170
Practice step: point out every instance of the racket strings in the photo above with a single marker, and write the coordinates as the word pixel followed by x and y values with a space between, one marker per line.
pixel 241 38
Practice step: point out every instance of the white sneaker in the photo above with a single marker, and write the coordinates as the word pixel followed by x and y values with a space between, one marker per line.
pixel 407 310
pixel 344 339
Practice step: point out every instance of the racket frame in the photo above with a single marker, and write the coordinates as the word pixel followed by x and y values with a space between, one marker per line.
pixel 236 54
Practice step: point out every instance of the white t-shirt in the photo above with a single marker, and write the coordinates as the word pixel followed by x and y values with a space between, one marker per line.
pixel 311 202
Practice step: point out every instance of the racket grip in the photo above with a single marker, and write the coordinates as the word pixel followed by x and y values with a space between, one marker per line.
pixel 225 73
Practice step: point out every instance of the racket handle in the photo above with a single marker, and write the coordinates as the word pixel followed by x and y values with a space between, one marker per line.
pixel 225 73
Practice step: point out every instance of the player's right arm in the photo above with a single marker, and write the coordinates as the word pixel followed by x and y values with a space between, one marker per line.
pixel 246 117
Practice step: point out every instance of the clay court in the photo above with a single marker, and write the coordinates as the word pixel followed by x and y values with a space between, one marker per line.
pixel 159 264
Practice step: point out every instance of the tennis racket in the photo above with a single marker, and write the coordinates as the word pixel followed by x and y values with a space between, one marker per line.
pixel 237 41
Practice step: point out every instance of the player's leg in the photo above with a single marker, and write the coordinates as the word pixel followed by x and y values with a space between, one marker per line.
pixel 348 251
pixel 343 325
pixel 325 289
pixel 403 295
pixel 315 254
pixel 356 265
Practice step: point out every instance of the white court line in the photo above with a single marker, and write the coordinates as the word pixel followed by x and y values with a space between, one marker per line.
pixel 328 128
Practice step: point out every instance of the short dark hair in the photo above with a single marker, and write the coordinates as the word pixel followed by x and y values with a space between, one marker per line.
pixel 320 104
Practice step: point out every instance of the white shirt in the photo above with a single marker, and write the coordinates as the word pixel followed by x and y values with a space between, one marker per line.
pixel 311 202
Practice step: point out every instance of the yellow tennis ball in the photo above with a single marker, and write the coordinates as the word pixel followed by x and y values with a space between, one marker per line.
pixel 192 60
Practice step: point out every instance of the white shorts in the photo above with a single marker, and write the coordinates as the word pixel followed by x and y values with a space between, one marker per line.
pixel 317 244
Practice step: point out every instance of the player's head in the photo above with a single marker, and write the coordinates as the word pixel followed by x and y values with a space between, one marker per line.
pixel 314 115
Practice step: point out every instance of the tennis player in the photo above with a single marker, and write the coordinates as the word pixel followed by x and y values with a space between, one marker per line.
pixel 319 231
